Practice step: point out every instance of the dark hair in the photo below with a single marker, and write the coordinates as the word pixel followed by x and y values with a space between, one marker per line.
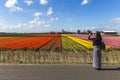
pixel 98 35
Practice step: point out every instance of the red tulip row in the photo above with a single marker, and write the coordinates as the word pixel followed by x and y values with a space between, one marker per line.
pixel 54 44
pixel 58 44
pixel 48 46
pixel 26 42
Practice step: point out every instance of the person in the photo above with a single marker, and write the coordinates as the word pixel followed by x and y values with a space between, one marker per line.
pixel 97 50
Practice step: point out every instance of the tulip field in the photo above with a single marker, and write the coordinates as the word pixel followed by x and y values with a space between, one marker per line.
pixel 110 41
pixel 55 48
pixel 53 42
pixel 29 42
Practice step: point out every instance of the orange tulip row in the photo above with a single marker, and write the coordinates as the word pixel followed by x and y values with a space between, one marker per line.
pixel 26 42
pixel 58 45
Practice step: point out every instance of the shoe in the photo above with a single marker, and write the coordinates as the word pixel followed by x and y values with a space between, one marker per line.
pixel 97 68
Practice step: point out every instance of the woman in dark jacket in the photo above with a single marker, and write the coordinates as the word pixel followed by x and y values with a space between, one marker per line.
pixel 97 50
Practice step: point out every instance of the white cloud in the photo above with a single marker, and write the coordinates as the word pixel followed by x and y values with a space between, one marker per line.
pixel 112 25
pixel 116 20
pixel 28 2
pixel 43 2
pixel 52 20
pixel 56 18
pixel 50 11
pixel 12 5
pixel 84 2
pixel 35 25
pixel 35 20
pixel 37 14
pixel 47 25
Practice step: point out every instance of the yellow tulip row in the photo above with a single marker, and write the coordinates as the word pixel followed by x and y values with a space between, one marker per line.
pixel 82 42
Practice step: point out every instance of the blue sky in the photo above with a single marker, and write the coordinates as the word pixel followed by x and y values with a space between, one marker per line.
pixel 55 15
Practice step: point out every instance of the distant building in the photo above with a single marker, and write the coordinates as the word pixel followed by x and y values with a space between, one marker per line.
pixel 63 31
pixel 109 33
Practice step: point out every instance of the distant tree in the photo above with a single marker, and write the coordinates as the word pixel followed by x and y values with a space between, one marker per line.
pixel 88 31
pixel 84 32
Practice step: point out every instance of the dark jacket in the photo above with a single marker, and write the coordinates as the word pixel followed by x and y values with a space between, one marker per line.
pixel 96 42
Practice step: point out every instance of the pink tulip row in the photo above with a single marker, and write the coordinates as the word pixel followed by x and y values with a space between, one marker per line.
pixel 112 41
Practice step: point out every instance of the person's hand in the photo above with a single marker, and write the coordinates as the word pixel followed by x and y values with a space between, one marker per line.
pixel 90 33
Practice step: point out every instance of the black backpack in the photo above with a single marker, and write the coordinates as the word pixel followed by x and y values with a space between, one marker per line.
pixel 103 46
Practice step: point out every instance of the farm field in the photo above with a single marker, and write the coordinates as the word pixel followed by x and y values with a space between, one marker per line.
pixel 112 41
pixel 55 48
